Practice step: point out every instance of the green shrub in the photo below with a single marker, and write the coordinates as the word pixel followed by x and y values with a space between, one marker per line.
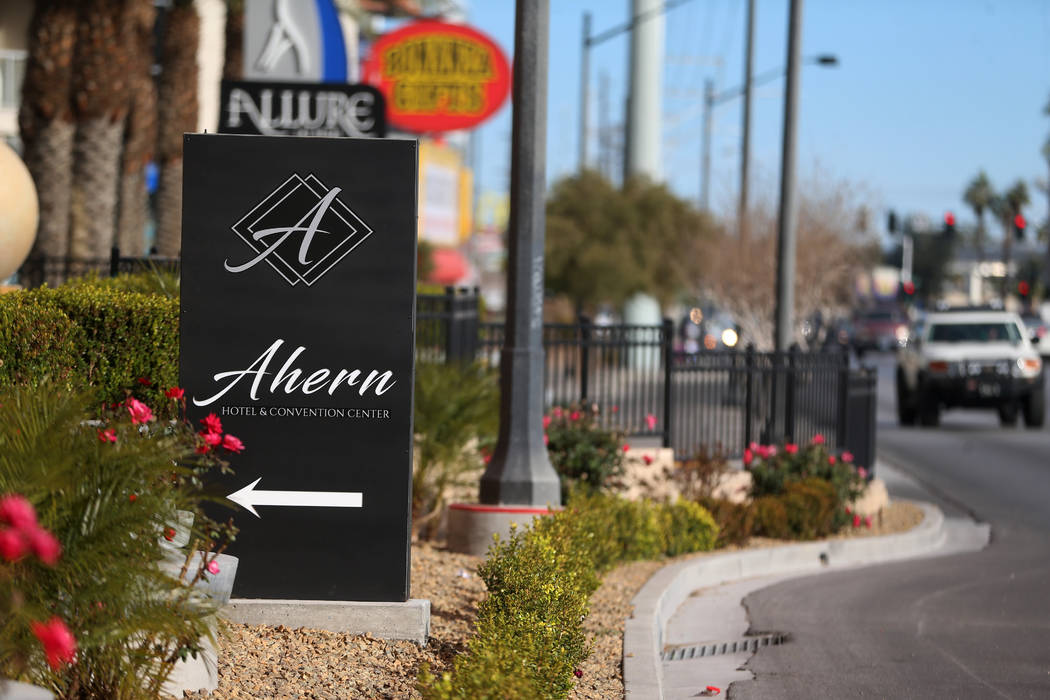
pixel 736 521
pixel 581 451
pixel 91 337
pixel 156 280
pixel 109 491
pixel 530 636
pixel 806 510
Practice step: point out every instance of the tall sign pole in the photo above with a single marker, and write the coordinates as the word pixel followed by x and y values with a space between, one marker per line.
pixel 745 140
pixel 786 244
pixel 642 155
pixel 520 471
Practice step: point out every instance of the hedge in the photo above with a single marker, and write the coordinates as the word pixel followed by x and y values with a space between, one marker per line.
pixel 93 337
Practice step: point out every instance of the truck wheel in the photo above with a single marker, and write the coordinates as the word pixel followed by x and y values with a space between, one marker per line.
pixel 1008 414
pixel 905 403
pixel 929 409
pixel 1034 408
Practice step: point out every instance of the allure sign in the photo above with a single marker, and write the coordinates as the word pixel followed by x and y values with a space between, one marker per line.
pixel 301 109
pixel 297 332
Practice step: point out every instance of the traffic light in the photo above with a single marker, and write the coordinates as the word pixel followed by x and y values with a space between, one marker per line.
pixel 1023 289
pixel 1019 225
pixel 908 288
pixel 949 223
pixel 891 222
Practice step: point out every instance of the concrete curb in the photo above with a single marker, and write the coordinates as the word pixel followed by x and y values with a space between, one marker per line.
pixel 661 596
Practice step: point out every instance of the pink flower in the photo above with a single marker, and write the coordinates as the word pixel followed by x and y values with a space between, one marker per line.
pixel 626 448
pixel 212 439
pixel 232 444
pixel 44 545
pixel 486 458
pixel 749 456
pixel 546 422
pixel 867 521
pixel 791 448
pixel 546 439
pixel 58 642
pixel 650 421
pixel 753 447
pixel 213 567
pixel 847 457
pixel 109 435
pixel 17 512
pixel 862 472
pixel 12 545
pixel 578 673
pixel 557 411
pixel 212 423
pixel 175 393
pixel 818 439
pixel 574 416
pixel 140 412
pixel 856 521
pixel 647 459
pixel 831 459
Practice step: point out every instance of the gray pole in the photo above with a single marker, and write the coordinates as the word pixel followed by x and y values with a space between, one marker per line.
pixel 785 304
pixel 745 141
pixel 585 76
pixel 705 145
pixel 520 471
pixel 643 152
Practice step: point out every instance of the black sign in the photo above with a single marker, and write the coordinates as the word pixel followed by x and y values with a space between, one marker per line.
pixel 298 303
pixel 301 109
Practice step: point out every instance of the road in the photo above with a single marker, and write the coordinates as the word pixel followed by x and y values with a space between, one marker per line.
pixel 970 625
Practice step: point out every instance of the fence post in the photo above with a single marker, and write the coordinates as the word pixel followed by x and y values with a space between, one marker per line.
pixel 114 261
pixel 789 394
pixel 452 344
pixel 666 339
pixel 843 373
pixel 749 388
pixel 585 357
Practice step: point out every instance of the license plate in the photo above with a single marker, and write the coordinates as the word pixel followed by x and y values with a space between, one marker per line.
pixel 989 389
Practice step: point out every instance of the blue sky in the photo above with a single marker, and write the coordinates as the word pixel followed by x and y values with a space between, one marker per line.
pixel 927 93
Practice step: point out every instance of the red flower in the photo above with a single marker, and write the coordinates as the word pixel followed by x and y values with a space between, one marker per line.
pixel 626 448
pixel 132 498
pixel 144 381
pixel 232 444
pixel 867 521
pixel 546 422
pixel 831 459
pixel 856 521
pixel 212 439
pixel 140 412
pixel 818 439
pixel 847 457
pixel 749 457
pixel 486 458
pixel 753 447
pixel 578 673
pixel 12 545
pixel 58 642
pixel 546 439
pixel 17 512
pixel 212 423
pixel 791 448
pixel 574 416
pixel 175 393
pixel 169 534
pixel 650 421
pixel 849 511
pixel 203 449
pixel 647 459
pixel 44 545
pixel 109 435
pixel 557 411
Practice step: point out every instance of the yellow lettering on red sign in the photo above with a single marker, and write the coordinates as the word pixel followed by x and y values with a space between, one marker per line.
pixel 449 58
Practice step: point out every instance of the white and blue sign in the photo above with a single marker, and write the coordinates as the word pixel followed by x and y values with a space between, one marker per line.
pixel 294 40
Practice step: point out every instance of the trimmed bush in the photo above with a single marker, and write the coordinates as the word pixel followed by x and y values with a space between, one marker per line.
pixel 90 337
pixel 806 510
pixel 581 451
pixel 530 634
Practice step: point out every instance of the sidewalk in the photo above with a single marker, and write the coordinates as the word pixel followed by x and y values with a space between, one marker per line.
pixel 693 608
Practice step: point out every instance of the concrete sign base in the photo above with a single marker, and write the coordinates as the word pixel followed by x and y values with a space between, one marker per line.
pixel 408 620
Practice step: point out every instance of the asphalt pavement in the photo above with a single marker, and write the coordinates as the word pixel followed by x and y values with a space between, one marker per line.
pixel 973 625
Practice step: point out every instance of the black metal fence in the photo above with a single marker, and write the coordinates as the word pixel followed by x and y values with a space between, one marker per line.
pixel 38 270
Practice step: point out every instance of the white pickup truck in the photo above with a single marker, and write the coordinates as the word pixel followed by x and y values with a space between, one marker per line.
pixel 970 359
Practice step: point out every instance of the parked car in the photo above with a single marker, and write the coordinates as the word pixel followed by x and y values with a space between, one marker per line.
pixel 971 359
pixel 880 329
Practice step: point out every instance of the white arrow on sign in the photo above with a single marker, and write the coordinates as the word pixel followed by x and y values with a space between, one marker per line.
pixel 249 497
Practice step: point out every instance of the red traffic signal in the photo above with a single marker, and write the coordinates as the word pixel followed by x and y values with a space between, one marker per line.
pixel 1023 288
pixel 949 219
pixel 908 287
pixel 1019 225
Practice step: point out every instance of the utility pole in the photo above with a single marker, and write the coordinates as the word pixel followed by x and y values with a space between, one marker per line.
pixel 520 471
pixel 786 243
pixel 705 145
pixel 585 77
pixel 604 137
pixel 643 154
pixel 745 141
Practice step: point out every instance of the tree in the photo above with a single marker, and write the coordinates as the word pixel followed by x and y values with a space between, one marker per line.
pixel 831 252
pixel 978 196
pixel 604 244
pixel 45 121
pixel 177 114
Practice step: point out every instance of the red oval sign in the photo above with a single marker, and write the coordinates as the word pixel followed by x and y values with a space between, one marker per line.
pixel 438 77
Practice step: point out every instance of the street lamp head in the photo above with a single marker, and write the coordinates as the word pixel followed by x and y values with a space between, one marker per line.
pixel 827 59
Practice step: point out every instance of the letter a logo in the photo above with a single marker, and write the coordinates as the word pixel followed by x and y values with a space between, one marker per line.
pixel 301 230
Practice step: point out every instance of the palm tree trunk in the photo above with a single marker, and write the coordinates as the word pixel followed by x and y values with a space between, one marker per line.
pixel 46 127
pixel 140 130
pixel 177 114
pixel 233 55
pixel 100 99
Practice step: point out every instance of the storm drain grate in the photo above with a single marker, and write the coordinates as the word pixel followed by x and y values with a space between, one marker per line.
pixel 697 651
